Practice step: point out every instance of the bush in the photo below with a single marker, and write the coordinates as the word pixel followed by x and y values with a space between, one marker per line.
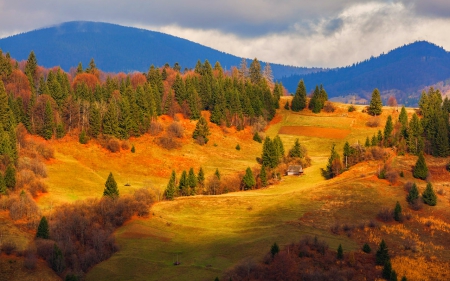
pixel 167 142
pixel 329 107
pixel 373 122
pixel 238 147
pixel 113 145
pixel 351 108
pixel 45 151
pixel 366 248
pixel 175 130
pixel 386 215
pixel 32 164
pixel 37 187
pixel 30 259
pixel 133 149
pixel 155 128
pixel 125 145
pixel 391 176
pixel 8 247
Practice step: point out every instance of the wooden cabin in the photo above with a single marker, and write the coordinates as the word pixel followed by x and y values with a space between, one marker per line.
pixel 294 170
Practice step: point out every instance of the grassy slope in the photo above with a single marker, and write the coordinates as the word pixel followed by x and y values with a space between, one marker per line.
pixel 211 234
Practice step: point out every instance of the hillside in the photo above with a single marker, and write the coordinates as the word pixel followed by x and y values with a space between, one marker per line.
pixel 402 72
pixel 117 48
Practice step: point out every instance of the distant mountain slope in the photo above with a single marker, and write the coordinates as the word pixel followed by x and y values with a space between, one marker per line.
pixel 117 48
pixel 403 71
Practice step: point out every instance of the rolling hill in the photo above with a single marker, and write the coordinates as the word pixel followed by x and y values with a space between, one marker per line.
pixel 117 48
pixel 404 71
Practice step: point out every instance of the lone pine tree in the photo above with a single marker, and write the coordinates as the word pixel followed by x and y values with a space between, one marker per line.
pixel 420 170
pixel 428 196
pixel 42 230
pixel 111 189
pixel 376 105
pixel 248 180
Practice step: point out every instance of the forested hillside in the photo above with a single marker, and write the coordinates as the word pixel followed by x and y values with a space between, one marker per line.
pixel 51 102
pixel 404 72
pixel 117 48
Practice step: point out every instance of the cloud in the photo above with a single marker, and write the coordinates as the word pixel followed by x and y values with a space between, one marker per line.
pixel 305 33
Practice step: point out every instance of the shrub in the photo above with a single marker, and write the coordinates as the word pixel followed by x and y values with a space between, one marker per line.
pixel 45 151
pixel 175 130
pixel 133 149
pixel 37 187
pixel 125 145
pixel 8 247
pixel 32 164
pixel 30 259
pixel 167 142
pixel 373 122
pixel 391 176
pixel 113 145
pixel 366 248
pixel 329 107
pixel 155 128
pixel 385 214
pixel 351 108
pixel 238 147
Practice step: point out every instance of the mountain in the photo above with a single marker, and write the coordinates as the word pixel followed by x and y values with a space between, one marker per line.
pixel 404 71
pixel 117 48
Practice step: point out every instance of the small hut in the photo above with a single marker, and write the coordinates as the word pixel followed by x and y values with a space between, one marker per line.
pixel 294 170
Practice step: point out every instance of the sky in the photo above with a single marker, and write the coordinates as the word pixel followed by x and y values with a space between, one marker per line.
pixel 307 33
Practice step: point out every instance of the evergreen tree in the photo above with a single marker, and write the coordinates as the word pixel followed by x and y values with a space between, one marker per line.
pixel 415 131
pixel 388 128
pixel 255 71
pixel 334 164
pixel 428 196
pixel 57 260
pixel 110 121
pixel 366 248
pixel 42 230
pixel 398 212
pixel 263 176
pixel 376 105
pixel 79 68
pixel 201 130
pixel 249 180
pixel 83 138
pixel 296 150
pixel 379 137
pixel 217 174
pixel 95 122
pixel 133 149
pixel 256 137
pixel 420 170
pixel 382 255
pixel 286 105
pixel 4 108
pixel 183 185
pixel 340 253
pixel 367 143
pixel 274 249
pixel 201 177
pixel 170 189
pixel 60 132
pixel 299 100
pixel 278 143
pixel 31 69
pixel 47 129
pixel 3 188
pixel 413 194
pixel 111 189
pixel 387 270
pixel 192 179
pixel 269 155
pixel 393 276
pixel 10 177
pixel 404 278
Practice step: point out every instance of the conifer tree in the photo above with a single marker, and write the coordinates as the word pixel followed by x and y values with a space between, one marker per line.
pixel 95 122
pixel 387 270
pixel 269 155
pixel 217 174
pixel 340 253
pixel 2 184
pixel 248 180
pixel 170 189
pixel 413 194
pixel 366 248
pixel 201 130
pixel 263 176
pixel 376 105
pixel 10 177
pixel 278 143
pixel 286 105
pixel 428 196
pixel 415 131
pixel 296 150
pixel 397 212
pixel 403 119
pixel 47 129
pixel 201 177
pixel 420 170
pixel 274 249
pixel 367 143
pixel 388 128
pixel 382 255
pixel 111 189
pixel 183 184
pixel 110 121
pixel 42 230
pixel 393 276
pixel 57 261
pixel 256 137
pixel 299 100
pixel 192 179
pixel 255 71
pixel 334 164
pixel 31 69
pixel 4 108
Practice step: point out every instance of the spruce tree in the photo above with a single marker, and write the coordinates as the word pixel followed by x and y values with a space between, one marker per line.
pixel 47 129
pixel 376 105
pixel 95 122
pixel 183 185
pixel 170 189
pixel 3 188
pixel 269 155
pixel 286 105
pixel 413 194
pixel 192 180
pixel 388 128
pixel 42 230
pixel 382 255
pixel 217 174
pixel 340 253
pixel 334 164
pixel 248 180
pixel 57 260
pixel 133 149
pixel 201 177
pixel 279 147
pixel 257 138
pixel 367 143
pixel 428 196
pixel 111 189
pixel 299 100
pixel 201 130
pixel 420 170
pixel 398 212
pixel 366 248
pixel 10 177
pixel 387 270
pixel 255 71
pixel 393 276
pixel 296 150
pixel 274 249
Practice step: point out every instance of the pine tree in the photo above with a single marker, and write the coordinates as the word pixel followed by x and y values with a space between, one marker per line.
pixel 31 69
pixel 111 189
pixel 248 180
pixel 274 249
pixel 57 260
pixel 366 248
pixel 183 185
pixel 393 276
pixel 334 164
pixel 269 155
pixel 428 196
pixel 95 122
pixel 278 143
pixel 110 121
pixel 170 189
pixel 256 137
pixel 388 128
pixel 201 177
pixel 83 138
pixel 263 176
pixel 4 107
pixel 299 100
pixel 192 180
pixel 10 177
pixel 3 188
pixel 340 253
pixel 398 212
pixel 201 130
pixel 255 71
pixel 367 143
pixel 286 105
pixel 413 194
pixel 404 278
pixel 387 270
pixel 217 174
pixel 296 150
pixel 42 230
pixel 376 105
pixel 382 255
pixel 415 131
pixel 420 170
pixel 47 129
